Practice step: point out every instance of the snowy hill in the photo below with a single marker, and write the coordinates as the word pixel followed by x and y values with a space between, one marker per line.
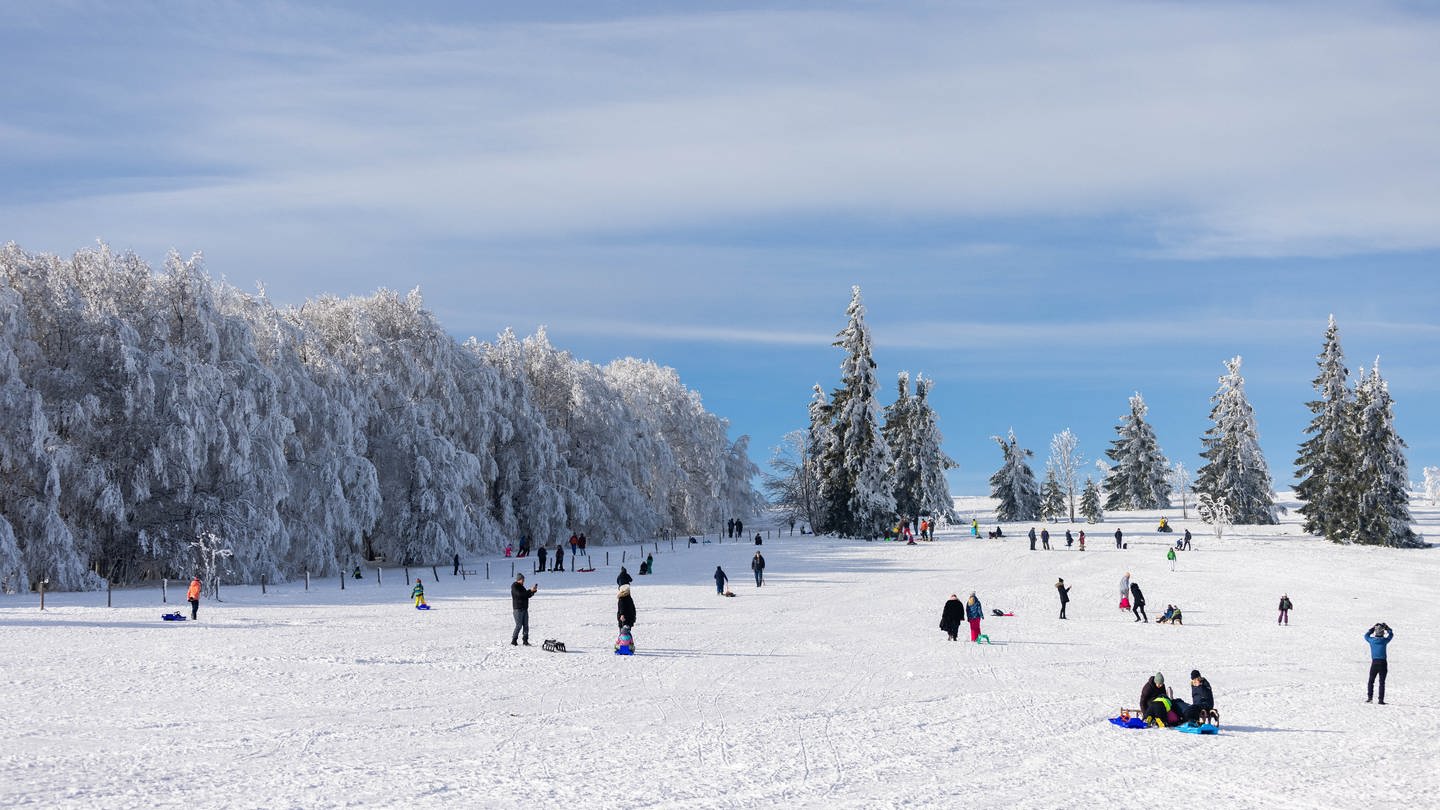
pixel 830 686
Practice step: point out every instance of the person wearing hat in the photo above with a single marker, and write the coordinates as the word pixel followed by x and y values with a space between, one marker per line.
pixel 1064 595
pixel 720 580
pixel 520 605
pixel 1154 687
pixel 625 607
pixel 973 613
pixel 1202 699
pixel 1285 606
pixel 418 592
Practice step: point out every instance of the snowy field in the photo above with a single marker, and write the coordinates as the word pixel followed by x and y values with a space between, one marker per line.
pixel 830 687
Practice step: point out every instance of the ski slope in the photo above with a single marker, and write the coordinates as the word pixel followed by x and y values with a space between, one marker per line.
pixel 832 686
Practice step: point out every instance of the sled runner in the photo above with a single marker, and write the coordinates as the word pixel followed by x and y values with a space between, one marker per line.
pixel 172 617
pixel 551 645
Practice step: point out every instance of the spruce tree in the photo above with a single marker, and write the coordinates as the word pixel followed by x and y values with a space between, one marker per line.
pixel 1014 484
pixel 934 490
pixel 1052 496
pixel 1235 468
pixel 1326 464
pixel 1090 502
pixel 819 440
pixel 1382 511
pixel 899 431
pixel 1138 479
pixel 856 483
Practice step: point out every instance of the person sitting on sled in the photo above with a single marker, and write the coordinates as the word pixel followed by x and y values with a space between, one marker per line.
pixel 625 643
pixel 1172 616
pixel 418 593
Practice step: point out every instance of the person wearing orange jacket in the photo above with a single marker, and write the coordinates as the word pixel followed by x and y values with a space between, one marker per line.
pixel 194 596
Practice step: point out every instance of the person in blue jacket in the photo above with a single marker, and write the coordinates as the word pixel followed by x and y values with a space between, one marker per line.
pixel 1379 637
pixel 974 613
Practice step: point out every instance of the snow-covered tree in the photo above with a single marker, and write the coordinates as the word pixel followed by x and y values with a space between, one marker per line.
pixel 1432 485
pixel 1235 469
pixel 1052 496
pixel 1325 467
pixel 1216 511
pixel 855 483
pixel 1137 480
pixel 919 463
pixel 1090 508
pixel 1381 475
pixel 1014 483
pixel 1066 460
pixel 1180 482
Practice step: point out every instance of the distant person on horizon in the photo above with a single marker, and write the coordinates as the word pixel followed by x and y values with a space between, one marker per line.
pixel 1082 539
pixel 1119 539
pixel 1185 542
pixel 1032 538
pixel 1045 539
pixel 1069 539
pixel 559 557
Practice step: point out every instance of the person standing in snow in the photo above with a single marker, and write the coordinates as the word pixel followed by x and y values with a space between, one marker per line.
pixel 625 607
pixel 1125 591
pixel 540 557
pixel 457 566
pixel 730 528
pixel 739 528
pixel 720 580
pixel 1045 539
pixel 624 578
pixel 1170 555
pixel 1285 606
pixel 1064 595
pixel 951 615
pixel 520 606
pixel 974 527
pixel 1082 539
pixel 1119 539
pixel 1032 538
pixel 1379 637
pixel 1185 541
pixel 1069 539
pixel 193 595
pixel 418 592
pixel 974 613
pixel 559 557
pixel 1137 602
pixel 757 564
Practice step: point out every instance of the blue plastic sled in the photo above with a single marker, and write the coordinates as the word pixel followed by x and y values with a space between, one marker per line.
pixel 422 607
pixel 1198 728
pixel 625 651
pixel 172 617
pixel 1133 722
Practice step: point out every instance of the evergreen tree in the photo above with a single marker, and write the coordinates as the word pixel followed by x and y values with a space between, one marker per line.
pixel 1382 474
pixel 1235 469
pixel 934 490
pixel 1014 484
pixel 1052 496
pixel 1138 479
pixel 818 441
pixel 1090 502
pixel 899 432
pixel 1325 467
pixel 855 479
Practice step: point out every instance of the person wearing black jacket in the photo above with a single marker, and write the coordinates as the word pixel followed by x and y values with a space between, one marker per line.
pixel 624 578
pixel 520 605
pixel 757 564
pixel 1137 603
pixel 1119 539
pixel 1202 698
pixel 1154 687
pixel 625 608
pixel 951 616
pixel 1064 596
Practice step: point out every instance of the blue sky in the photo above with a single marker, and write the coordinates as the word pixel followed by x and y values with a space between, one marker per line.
pixel 1048 207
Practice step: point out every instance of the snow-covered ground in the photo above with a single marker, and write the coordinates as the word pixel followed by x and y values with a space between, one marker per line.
pixel 830 686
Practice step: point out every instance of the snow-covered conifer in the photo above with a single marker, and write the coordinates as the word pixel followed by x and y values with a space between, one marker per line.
pixel 1090 508
pixel 1325 467
pixel 1014 485
pixel 934 491
pixel 1052 496
pixel 1138 478
pixel 1382 475
pixel 1235 469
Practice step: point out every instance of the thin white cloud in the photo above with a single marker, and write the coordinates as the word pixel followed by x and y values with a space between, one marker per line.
pixel 1221 130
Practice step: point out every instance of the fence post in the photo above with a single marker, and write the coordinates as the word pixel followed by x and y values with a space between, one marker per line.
pixel 217 587
pixel 107 594
pixel 407 575
pixel 43 582
pixel 607 558
pixel 512 569
pixel 342 577
pixel 307 579
pixel 377 576
pixel 487 570
pixel 436 573
pixel 262 584
pixel 164 597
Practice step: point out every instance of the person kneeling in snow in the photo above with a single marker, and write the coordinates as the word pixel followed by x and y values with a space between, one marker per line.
pixel 625 644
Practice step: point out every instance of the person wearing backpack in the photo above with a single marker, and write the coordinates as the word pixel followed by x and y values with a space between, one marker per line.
pixel 1285 606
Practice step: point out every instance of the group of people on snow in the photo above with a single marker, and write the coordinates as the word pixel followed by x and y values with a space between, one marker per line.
pixel 1159 707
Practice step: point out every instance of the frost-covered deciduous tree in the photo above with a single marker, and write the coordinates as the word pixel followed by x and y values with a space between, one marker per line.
pixel 1325 467
pixel 1066 460
pixel 1216 511
pixel 1432 485
pixel 788 485
pixel 1180 482
pixel 1090 508
pixel 1014 485
pixel 1235 469
pixel 1382 514
pixel 1137 480
pixel 855 483
pixel 140 410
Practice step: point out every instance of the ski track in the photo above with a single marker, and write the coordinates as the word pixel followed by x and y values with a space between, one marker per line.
pixel 829 687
